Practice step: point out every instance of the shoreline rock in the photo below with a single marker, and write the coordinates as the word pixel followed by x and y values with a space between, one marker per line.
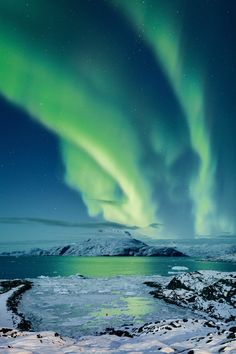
pixel 13 301
pixel 205 292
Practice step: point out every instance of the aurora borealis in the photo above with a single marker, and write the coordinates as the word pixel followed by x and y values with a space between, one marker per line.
pixel 141 98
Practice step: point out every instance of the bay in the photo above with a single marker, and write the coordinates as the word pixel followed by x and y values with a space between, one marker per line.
pixel 35 266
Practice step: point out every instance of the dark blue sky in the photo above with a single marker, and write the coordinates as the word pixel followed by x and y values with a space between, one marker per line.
pixel 31 171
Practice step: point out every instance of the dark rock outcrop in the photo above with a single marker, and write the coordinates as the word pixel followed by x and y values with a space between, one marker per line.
pixel 208 292
pixel 14 300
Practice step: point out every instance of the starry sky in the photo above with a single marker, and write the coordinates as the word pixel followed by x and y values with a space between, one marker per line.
pixel 119 111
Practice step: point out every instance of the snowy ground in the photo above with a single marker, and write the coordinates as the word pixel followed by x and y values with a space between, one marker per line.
pixel 205 293
pixel 60 302
pixel 168 337
pixel 6 317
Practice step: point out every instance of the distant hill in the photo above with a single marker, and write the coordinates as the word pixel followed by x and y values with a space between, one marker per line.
pixel 102 247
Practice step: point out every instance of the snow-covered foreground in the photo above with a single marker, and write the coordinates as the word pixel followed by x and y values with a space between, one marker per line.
pixel 107 302
pixel 165 337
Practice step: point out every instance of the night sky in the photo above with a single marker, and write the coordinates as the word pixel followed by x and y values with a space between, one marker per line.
pixel 123 111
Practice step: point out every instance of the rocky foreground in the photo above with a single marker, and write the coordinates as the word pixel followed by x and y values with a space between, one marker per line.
pixel 210 295
pixel 186 337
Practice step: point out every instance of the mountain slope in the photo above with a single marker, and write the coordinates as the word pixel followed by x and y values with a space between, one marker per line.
pixel 103 247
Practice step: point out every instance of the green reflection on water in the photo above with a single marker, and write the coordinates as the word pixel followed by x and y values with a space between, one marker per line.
pixel 104 266
pixel 134 306
pixel 138 306
pixel 34 266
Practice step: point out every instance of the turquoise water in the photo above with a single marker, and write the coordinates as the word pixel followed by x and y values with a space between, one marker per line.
pixel 33 266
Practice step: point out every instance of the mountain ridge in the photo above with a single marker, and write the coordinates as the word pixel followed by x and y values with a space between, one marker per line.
pixel 102 247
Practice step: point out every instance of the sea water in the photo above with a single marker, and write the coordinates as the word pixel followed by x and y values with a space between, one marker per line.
pixel 34 266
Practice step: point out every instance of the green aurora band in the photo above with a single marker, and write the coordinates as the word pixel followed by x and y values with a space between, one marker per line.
pixel 86 107
pixel 93 133
pixel 161 26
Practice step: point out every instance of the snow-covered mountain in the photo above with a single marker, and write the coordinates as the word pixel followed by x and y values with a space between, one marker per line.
pixel 111 246
pixel 211 248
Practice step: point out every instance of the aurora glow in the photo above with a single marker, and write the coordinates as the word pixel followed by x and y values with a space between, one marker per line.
pixel 162 29
pixel 132 114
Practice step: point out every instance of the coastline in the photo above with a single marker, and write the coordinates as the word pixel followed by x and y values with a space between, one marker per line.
pixel 11 292
pixel 164 336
